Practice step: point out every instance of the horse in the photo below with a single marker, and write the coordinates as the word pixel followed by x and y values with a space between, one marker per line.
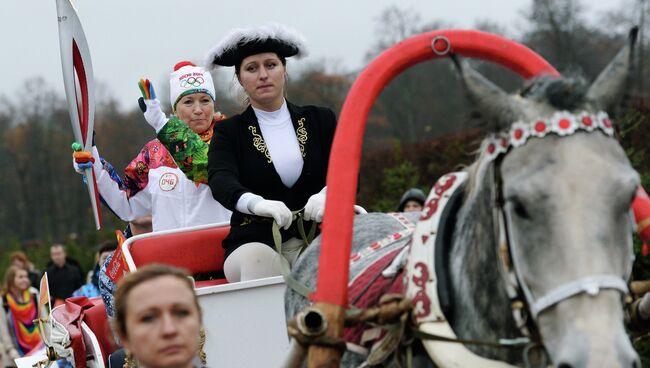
pixel 542 222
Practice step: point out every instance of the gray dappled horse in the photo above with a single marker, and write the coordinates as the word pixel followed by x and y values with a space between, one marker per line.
pixel 565 204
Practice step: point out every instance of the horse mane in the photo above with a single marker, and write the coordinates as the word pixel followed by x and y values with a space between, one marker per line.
pixel 476 172
pixel 561 93
pixel 480 291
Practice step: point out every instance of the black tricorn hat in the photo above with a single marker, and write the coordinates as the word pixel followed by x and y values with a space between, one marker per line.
pixel 243 42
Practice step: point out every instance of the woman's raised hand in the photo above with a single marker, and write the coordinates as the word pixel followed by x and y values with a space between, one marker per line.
pixel 150 105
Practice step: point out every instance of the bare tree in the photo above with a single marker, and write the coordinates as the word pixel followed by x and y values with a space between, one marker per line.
pixel 393 25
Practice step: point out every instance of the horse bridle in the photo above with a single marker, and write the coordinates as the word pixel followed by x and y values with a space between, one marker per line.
pixel 560 124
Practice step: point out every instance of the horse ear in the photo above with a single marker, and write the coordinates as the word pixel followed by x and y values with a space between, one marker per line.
pixel 606 89
pixel 493 103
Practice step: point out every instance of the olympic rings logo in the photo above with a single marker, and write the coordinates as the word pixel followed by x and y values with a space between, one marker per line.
pixel 192 82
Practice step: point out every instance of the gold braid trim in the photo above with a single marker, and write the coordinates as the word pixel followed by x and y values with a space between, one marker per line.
pixel 259 143
pixel 301 133
pixel 202 356
pixel 129 361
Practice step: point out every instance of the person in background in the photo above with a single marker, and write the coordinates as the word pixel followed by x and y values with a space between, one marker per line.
pixel 63 273
pixel 412 201
pixel 91 288
pixel 20 302
pixel 141 225
pixel 158 318
pixel 7 350
pixel 19 258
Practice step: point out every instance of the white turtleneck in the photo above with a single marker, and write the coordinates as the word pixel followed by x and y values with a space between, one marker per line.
pixel 282 143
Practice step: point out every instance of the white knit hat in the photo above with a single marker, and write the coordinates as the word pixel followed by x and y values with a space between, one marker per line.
pixel 186 79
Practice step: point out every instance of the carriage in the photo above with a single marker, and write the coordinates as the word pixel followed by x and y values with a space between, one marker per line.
pixel 418 256
pixel 237 316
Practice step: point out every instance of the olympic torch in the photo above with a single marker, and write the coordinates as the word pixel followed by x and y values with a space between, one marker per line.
pixel 79 88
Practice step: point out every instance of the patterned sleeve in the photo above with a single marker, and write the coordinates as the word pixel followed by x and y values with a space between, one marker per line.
pixel 107 289
pixel 187 149
pixel 116 178
pixel 136 173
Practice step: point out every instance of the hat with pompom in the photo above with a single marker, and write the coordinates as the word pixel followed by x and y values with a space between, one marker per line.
pixel 187 78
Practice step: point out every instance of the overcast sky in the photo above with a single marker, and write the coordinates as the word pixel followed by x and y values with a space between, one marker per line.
pixel 130 39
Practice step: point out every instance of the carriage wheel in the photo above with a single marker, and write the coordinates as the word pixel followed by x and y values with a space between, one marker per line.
pixel 331 286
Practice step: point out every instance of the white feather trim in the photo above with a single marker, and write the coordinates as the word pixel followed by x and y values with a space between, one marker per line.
pixel 261 33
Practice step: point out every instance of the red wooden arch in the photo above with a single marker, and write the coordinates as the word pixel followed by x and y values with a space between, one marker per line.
pixel 331 287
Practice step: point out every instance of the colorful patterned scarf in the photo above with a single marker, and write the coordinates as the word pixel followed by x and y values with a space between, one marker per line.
pixel 207 135
pixel 21 319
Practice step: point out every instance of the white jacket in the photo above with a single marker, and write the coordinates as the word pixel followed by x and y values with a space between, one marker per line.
pixel 153 184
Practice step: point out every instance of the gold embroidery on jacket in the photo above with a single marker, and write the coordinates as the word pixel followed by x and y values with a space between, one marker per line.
pixel 259 143
pixel 246 220
pixel 301 133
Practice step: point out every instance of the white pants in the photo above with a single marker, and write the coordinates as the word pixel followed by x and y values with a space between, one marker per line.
pixel 256 260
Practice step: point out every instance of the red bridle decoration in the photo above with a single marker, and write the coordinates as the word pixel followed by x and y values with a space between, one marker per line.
pixel 561 123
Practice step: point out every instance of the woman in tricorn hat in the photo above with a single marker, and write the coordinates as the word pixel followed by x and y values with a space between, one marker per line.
pixel 267 161
pixel 271 159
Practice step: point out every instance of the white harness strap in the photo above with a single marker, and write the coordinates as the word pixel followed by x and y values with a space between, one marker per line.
pixel 591 285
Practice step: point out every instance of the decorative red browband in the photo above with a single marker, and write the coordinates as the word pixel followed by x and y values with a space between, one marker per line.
pixel 562 123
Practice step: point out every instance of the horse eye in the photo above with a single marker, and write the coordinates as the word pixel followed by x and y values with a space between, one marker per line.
pixel 520 210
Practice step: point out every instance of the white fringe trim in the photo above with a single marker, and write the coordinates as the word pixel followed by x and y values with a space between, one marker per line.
pixel 261 33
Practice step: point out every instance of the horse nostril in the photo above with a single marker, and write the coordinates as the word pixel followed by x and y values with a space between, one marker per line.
pixel 564 365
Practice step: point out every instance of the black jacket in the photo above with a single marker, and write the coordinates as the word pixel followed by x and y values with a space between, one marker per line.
pixel 63 281
pixel 239 162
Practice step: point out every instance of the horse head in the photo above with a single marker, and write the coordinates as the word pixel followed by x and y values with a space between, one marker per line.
pixel 554 185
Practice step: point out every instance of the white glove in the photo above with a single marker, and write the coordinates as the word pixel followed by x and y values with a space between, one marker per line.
pixel 358 210
pixel 315 207
pixel 97 165
pixel 644 306
pixel 153 113
pixel 276 209
pixel 76 167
